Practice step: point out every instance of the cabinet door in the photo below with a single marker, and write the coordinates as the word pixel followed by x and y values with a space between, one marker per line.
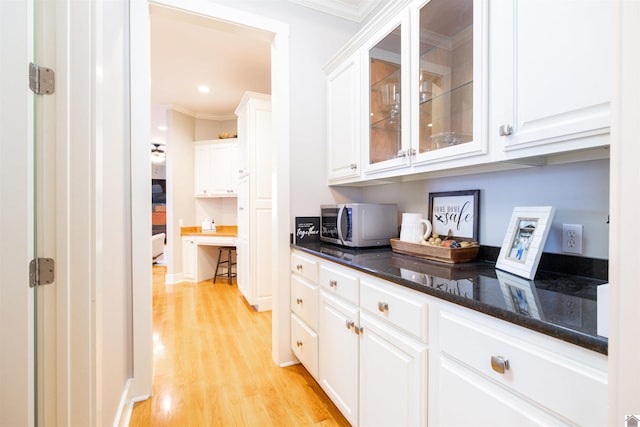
pixel 223 169
pixel 189 253
pixel 338 354
pixel 343 120
pixel 551 70
pixel 242 245
pixel 202 170
pixel 393 376
pixel 388 113
pixel 449 87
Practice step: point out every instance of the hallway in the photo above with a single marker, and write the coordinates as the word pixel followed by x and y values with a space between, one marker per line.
pixel 213 366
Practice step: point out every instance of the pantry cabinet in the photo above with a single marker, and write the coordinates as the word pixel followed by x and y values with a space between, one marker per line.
pixel 215 168
pixel 550 76
pixel 255 200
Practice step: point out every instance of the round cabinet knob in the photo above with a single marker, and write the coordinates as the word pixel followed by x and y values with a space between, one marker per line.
pixel 499 364
pixel 299 267
pixel 354 166
pixel 299 300
pixel 298 343
pixel 333 283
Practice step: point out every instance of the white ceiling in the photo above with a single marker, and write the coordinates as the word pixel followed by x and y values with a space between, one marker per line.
pixel 188 50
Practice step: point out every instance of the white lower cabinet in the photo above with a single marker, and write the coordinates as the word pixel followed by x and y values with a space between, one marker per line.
pixel 503 374
pixel 338 353
pixel 392 356
pixel 393 376
pixel 189 254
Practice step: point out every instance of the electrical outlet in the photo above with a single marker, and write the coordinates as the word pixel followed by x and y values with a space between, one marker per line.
pixel 572 238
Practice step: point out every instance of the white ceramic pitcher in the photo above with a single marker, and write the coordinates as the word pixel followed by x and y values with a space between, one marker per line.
pixel 413 228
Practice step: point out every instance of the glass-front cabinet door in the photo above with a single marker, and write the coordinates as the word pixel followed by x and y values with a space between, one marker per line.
pixel 388 82
pixel 447 80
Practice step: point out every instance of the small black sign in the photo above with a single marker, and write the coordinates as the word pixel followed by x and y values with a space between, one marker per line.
pixel 307 229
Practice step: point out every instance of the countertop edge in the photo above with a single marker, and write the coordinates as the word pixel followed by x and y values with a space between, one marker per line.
pixel 594 343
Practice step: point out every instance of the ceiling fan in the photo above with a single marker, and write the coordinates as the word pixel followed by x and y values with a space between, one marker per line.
pixel 158 154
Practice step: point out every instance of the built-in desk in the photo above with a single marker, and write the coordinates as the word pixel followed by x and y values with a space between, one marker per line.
pixel 200 250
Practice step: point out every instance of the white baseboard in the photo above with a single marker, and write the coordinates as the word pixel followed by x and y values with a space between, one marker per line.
pixel 172 279
pixel 123 413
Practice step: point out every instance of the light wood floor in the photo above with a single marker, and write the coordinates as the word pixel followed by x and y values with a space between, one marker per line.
pixel 213 366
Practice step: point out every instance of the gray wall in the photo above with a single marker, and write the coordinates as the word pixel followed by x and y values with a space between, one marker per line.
pixel 578 191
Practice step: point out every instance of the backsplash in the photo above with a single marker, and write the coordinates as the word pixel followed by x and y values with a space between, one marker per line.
pixel 579 192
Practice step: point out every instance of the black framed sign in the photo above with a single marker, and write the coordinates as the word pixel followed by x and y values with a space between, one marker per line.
pixel 307 229
pixel 457 211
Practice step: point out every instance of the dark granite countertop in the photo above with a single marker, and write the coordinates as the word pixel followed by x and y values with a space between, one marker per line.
pixel 559 305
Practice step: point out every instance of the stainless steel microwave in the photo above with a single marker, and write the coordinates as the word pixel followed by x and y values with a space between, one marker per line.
pixel 359 224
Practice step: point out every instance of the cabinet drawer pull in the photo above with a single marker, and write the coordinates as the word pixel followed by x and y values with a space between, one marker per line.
pixel 353 166
pixel 402 153
pixel 333 283
pixel 299 300
pixel 349 324
pixel 299 267
pixel 358 330
pixel 505 130
pixel 298 343
pixel 383 306
pixel 499 364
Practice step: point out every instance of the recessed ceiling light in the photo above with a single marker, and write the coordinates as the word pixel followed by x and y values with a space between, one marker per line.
pixel 163 128
pixel 204 89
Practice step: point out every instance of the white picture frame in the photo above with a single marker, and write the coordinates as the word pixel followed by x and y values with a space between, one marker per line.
pixel 524 240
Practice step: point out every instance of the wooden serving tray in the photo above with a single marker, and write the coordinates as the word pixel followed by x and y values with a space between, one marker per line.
pixel 436 253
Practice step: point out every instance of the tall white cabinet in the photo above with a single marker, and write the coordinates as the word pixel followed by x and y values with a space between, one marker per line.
pixel 254 199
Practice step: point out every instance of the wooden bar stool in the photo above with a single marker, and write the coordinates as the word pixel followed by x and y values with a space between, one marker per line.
pixel 228 263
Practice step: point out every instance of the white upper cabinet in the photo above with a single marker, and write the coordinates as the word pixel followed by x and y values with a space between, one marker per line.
pixel 215 168
pixel 550 76
pixel 449 75
pixel 449 84
pixel 388 82
pixel 343 119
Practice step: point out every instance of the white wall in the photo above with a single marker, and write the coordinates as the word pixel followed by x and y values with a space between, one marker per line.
pixel 180 182
pixel 223 210
pixel 579 192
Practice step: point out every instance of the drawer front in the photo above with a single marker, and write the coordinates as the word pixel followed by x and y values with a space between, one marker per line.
pixel 567 380
pixel 304 300
pixel 304 343
pixel 305 266
pixel 339 281
pixel 403 308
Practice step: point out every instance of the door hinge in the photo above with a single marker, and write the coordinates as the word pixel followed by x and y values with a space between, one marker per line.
pixel 41 272
pixel 41 80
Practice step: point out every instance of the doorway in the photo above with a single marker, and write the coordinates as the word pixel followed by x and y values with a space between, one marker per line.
pixel 281 353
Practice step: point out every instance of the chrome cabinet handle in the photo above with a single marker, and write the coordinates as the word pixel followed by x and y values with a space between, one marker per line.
pixel 402 153
pixel 299 300
pixel 499 364
pixel 353 166
pixel 333 283
pixel 299 267
pixel 349 324
pixel 505 130
pixel 383 306
pixel 298 343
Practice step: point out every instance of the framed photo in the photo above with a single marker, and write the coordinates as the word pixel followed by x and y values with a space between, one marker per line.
pixel 457 211
pixel 520 295
pixel 523 243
